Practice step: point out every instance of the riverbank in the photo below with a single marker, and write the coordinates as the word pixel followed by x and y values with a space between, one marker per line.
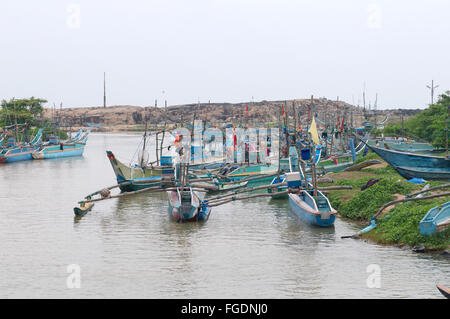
pixel 398 225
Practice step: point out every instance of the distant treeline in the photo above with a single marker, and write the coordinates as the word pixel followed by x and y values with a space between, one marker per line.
pixel 429 124
pixel 29 111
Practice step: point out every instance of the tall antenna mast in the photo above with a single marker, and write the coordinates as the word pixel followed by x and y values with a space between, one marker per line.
pixel 104 89
pixel 432 87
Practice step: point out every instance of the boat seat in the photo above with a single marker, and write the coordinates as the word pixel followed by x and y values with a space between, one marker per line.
pixel 321 202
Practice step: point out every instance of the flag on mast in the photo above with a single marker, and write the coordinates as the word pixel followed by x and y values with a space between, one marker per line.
pixel 313 131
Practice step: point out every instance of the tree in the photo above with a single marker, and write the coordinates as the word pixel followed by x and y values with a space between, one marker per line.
pixel 430 124
pixel 24 110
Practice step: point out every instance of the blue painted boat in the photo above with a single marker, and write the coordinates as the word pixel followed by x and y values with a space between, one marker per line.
pixel 437 219
pixel 56 149
pixel 20 152
pixel 423 173
pixel 187 206
pixel 316 210
pixel 405 159
pixel 410 165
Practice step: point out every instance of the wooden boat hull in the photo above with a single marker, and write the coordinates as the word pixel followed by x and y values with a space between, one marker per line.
pixel 311 214
pixel 55 151
pixel 403 146
pixel 444 291
pixel 437 219
pixel 17 154
pixel 426 174
pixel 410 160
pixel 138 177
pixel 187 210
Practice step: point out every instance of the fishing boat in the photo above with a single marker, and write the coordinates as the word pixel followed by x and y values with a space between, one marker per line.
pixel 410 165
pixel 426 174
pixel 312 208
pixel 186 206
pixel 407 145
pixel 405 159
pixel 139 177
pixel 437 219
pixel 20 152
pixel 310 204
pixel 443 290
pixel 54 148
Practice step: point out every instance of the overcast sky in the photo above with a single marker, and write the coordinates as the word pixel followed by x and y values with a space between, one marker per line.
pixel 224 50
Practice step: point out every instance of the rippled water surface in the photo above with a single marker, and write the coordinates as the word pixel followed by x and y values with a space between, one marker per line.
pixel 130 248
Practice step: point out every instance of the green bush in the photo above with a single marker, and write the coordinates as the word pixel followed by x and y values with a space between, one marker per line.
pixel 366 203
pixel 401 225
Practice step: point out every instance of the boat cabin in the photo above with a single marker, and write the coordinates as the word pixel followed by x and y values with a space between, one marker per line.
pixel 53 139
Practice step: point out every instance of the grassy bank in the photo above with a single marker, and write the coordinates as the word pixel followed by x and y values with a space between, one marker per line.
pixel 396 226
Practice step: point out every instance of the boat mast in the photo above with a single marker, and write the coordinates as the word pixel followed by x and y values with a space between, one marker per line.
pixel 143 146
pixel 15 120
pixel 279 144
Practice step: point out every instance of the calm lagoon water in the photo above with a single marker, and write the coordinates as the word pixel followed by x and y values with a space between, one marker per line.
pixel 130 248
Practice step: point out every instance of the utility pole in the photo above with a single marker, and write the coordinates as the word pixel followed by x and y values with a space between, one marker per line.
pixel 446 133
pixel 432 87
pixel 364 97
pixel 104 89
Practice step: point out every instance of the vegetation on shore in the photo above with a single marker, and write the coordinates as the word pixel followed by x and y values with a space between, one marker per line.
pixel 21 111
pixel 429 124
pixel 398 225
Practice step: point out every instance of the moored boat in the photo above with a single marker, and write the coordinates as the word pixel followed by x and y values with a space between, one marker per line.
pixel 137 177
pixel 20 152
pixel 310 205
pixel 186 206
pixel 57 149
pixel 411 165
pixel 437 219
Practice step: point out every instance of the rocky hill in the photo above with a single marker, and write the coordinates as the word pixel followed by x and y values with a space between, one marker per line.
pixel 124 117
